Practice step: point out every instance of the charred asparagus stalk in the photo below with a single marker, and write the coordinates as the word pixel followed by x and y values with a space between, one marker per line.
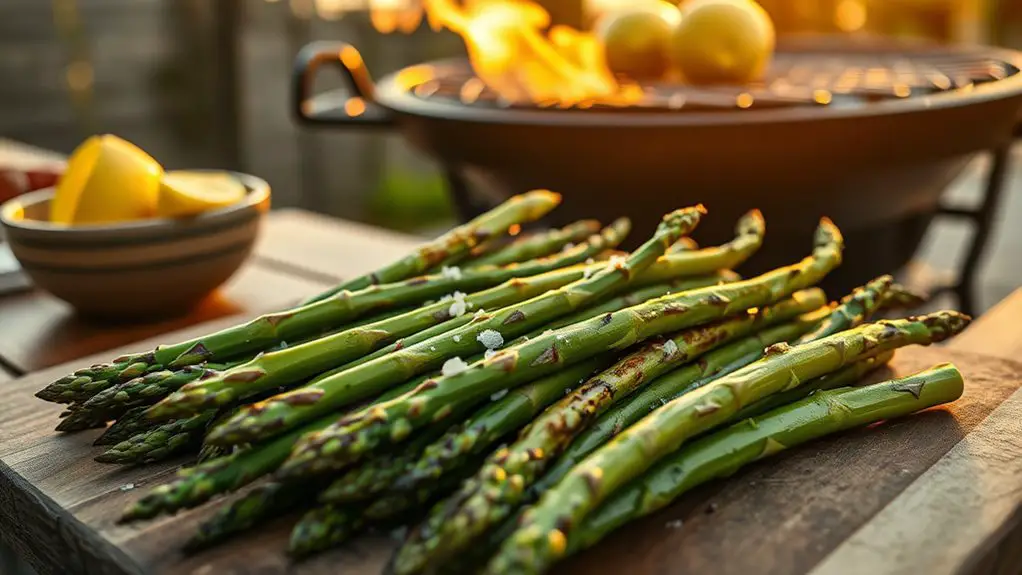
pixel 161 442
pixel 539 540
pixel 457 242
pixel 289 409
pixel 324 527
pixel 841 378
pixel 260 503
pixel 855 308
pixel 487 426
pixel 147 389
pixel 570 415
pixel 127 426
pixel 196 485
pixel 723 453
pixel 489 497
pixel 538 245
pixel 353 436
pixel 271 370
pixel 268 330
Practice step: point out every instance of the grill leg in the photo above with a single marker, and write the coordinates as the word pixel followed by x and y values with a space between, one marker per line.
pixel 983 220
pixel 466 206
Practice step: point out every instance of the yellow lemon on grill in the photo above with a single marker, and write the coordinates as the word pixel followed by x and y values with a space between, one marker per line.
pixel 185 193
pixel 635 39
pixel 722 41
pixel 107 179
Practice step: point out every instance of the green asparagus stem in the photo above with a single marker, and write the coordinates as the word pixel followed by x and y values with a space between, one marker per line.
pixel 127 426
pixel 324 527
pixel 722 453
pixel 841 378
pixel 161 442
pixel 900 296
pixel 78 419
pixel 209 452
pixel 552 431
pixel 853 309
pixel 538 245
pixel 683 245
pixel 500 485
pixel 262 502
pixel 669 272
pixel 658 392
pixel 643 294
pixel 376 475
pixel 749 232
pixel 354 435
pixel 147 389
pixel 274 369
pixel 749 229
pixel 286 410
pixel 196 485
pixel 84 383
pixel 457 242
pixel 404 504
pixel 540 539
pixel 503 416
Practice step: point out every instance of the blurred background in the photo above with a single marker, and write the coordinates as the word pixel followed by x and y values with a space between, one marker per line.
pixel 202 83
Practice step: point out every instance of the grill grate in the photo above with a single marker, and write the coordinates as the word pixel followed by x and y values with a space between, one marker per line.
pixel 836 79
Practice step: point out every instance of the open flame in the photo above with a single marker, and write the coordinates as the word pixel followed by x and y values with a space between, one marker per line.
pixel 515 52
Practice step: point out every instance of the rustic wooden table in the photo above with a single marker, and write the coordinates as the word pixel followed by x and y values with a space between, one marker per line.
pixel 936 493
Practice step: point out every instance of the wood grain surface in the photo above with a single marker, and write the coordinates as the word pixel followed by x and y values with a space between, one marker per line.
pixel 305 243
pixel 997 332
pixel 783 515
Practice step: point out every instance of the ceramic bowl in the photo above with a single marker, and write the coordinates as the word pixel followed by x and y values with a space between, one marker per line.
pixel 137 269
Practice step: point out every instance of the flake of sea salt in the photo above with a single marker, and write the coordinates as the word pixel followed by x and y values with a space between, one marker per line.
pixel 670 348
pixel 453 366
pixel 490 338
pixel 453 272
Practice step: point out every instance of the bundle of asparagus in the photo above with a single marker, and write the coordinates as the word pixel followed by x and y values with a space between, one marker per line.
pixel 385 401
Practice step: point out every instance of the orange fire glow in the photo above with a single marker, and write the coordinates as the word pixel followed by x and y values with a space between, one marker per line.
pixel 516 53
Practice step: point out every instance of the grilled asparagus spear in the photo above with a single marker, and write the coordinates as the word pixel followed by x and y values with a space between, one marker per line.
pixel 487 330
pixel 540 538
pixel 457 242
pixel 271 370
pixel 268 330
pixel 538 245
pixel 853 309
pixel 500 485
pixel 722 453
pixel 570 415
pixel 353 436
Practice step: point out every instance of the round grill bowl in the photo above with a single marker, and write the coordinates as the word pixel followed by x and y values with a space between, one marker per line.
pixel 875 158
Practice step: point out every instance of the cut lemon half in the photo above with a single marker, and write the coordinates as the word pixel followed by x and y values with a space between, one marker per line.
pixel 184 193
pixel 107 179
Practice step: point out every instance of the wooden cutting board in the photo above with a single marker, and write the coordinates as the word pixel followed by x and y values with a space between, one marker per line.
pixel 931 493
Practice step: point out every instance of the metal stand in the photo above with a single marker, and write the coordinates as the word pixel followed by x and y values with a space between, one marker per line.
pixel 982 219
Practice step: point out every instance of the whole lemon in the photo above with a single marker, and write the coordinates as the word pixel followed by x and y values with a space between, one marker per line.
pixel 635 40
pixel 722 41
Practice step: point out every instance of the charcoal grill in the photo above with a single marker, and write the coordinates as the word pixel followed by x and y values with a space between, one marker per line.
pixel 868 133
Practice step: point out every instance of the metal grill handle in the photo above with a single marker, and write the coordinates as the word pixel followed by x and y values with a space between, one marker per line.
pixel 359 110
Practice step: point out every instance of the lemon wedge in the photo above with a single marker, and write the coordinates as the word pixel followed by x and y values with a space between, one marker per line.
pixel 184 193
pixel 107 179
